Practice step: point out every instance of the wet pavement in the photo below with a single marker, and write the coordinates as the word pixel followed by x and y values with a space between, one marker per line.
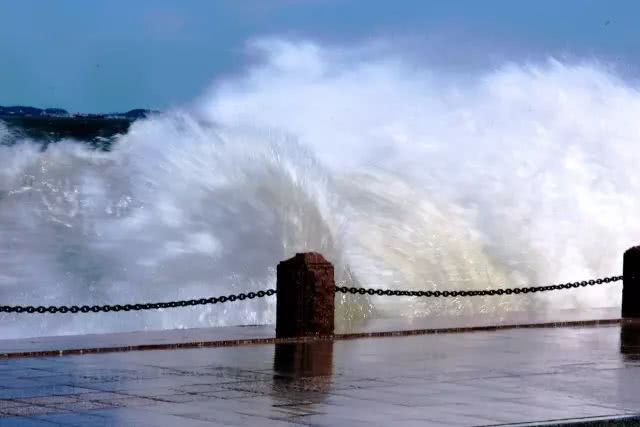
pixel 548 375
pixel 262 334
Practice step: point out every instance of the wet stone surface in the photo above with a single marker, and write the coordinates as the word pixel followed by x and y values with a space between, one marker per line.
pixel 551 375
pixel 261 334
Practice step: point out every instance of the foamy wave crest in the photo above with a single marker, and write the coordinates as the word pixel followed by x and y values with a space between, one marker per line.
pixel 403 176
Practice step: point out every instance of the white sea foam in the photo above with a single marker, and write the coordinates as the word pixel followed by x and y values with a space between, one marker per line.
pixel 402 175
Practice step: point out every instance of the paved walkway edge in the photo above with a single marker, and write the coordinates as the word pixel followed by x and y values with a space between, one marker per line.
pixel 273 340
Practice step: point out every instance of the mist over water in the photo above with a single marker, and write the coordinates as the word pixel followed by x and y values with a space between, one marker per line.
pixel 402 175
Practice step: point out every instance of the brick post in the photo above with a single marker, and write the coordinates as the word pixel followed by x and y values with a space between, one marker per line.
pixel 631 283
pixel 306 291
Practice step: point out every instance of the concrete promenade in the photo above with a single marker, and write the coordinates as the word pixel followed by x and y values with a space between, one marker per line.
pixel 500 377
pixel 238 335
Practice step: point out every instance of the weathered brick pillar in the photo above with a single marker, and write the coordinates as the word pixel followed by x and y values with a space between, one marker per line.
pixel 631 283
pixel 306 291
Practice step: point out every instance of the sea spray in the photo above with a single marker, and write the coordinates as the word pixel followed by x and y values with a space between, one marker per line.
pixel 403 176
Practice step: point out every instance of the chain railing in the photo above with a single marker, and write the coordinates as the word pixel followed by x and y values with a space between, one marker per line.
pixel 481 292
pixel 62 309
pixel 133 307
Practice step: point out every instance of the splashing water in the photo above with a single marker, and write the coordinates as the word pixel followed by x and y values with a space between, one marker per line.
pixel 402 176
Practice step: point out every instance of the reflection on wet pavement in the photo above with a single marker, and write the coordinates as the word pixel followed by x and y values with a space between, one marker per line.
pixel 303 367
pixel 299 360
pixel 547 375
pixel 630 342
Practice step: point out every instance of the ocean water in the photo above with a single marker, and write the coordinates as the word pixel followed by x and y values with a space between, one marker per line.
pixel 402 174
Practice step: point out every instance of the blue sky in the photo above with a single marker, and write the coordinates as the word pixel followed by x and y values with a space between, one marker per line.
pixel 118 54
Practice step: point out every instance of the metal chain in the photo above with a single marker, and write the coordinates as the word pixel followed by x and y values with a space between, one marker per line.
pixel 132 307
pixel 269 292
pixel 483 292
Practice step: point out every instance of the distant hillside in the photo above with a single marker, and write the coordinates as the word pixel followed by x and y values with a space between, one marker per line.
pixel 53 124
pixel 23 111
pixel 26 111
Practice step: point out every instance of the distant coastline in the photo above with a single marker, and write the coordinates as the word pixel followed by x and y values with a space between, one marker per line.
pixel 54 124
pixel 27 111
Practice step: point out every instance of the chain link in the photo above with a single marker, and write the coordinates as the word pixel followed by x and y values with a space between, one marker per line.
pixel 269 292
pixel 481 292
pixel 133 307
